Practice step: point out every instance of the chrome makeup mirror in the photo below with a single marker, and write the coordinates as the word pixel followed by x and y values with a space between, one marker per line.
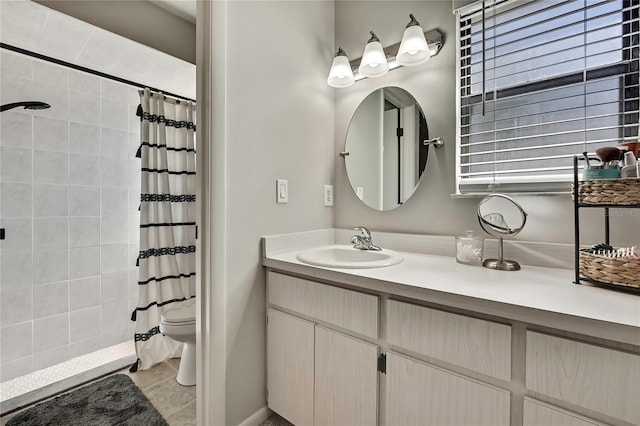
pixel 386 148
pixel 501 216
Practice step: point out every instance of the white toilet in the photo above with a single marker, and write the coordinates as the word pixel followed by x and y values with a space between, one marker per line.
pixel 179 323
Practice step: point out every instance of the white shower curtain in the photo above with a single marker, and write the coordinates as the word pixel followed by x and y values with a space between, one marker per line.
pixel 166 261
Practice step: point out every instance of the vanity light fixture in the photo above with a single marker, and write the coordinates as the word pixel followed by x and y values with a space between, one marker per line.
pixel 374 61
pixel 340 74
pixel 414 49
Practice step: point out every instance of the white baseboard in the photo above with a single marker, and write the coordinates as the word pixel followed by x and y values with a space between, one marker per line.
pixel 256 418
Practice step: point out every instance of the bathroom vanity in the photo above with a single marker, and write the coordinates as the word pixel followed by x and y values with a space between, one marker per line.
pixel 432 342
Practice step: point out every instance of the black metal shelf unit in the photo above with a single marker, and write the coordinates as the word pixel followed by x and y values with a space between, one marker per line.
pixel 576 217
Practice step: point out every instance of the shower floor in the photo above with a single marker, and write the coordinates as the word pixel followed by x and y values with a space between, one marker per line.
pixel 43 383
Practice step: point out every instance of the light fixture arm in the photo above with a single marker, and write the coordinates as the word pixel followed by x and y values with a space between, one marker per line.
pixel 413 21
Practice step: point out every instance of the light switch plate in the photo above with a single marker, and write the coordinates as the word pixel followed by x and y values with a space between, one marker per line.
pixel 360 192
pixel 328 195
pixel 282 191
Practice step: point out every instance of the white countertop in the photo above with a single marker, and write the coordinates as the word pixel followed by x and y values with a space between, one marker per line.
pixel 535 295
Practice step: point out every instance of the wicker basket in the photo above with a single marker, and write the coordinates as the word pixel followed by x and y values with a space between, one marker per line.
pixel 617 271
pixel 609 192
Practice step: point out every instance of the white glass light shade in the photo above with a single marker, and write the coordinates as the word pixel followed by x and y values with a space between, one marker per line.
pixel 374 61
pixel 413 48
pixel 340 74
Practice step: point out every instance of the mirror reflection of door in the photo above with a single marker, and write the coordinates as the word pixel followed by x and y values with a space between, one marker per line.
pixel 386 155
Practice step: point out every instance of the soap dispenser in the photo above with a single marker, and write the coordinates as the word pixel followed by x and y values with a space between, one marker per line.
pixel 469 249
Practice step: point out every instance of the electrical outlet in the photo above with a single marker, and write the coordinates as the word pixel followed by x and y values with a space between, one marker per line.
pixel 282 191
pixel 328 195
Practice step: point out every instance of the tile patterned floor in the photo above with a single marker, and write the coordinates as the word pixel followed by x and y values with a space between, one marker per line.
pixel 175 402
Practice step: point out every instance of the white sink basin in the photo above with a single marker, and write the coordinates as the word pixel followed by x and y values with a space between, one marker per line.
pixel 345 256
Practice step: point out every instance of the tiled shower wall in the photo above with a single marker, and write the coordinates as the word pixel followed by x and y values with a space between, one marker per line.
pixel 69 196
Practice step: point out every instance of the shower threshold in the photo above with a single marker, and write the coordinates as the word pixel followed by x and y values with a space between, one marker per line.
pixel 32 387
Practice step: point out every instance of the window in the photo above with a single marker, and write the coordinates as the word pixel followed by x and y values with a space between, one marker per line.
pixel 539 82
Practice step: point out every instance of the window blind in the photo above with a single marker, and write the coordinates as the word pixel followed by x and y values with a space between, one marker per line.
pixel 540 82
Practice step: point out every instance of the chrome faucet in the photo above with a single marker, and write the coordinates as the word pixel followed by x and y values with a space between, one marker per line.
pixel 362 240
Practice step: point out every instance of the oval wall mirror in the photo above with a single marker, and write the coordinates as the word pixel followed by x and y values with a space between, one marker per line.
pixel 384 154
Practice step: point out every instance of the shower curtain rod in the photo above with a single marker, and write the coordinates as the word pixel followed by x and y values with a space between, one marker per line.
pixel 88 70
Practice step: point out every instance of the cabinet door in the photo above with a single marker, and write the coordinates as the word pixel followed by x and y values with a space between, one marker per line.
pixel 290 367
pixel 589 376
pixel 537 413
pixel 346 380
pixel 419 394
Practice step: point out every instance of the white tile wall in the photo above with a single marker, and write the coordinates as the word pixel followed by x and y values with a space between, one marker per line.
pixel 84 293
pixel 115 230
pixel 50 299
pixel 115 143
pixel 84 170
pixel 84 347
pixel 84 262
pixel 16 129
pixel 50 333
pixel 115 171
pixel 48 73
pixel 15 89
pixel 50 266
pixel 84 200
pixel 12 369
pixel 84 139
pixel 50 200
pixel 16 200
pixel 56 96
pixel 114 258
pixel 16 341
pixel 16 271
pixel 51 167
pixel 18 238
pixel 15 164
pixel 85 324
pixel 50 134
pixel 84 108
pixel 16 65
pixel 50 233
pixel 69 196
pixel 16 306
pixel 84 231
pixel 49 358
pixel 113 115
pixel 115 287
pixel 115 201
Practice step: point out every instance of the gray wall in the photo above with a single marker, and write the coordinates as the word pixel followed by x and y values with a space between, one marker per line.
pixel 138 20
pixel 431 210
pixel 279 121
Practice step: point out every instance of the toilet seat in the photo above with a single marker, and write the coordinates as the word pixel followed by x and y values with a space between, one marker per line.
pixel 181 314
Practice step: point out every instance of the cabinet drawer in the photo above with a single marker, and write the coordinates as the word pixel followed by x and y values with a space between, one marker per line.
pixel 478 345
pixel 537 413
pixel 348 309
pixel 589 376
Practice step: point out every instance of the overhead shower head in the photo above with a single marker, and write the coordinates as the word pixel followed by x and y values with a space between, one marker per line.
pixel 26 105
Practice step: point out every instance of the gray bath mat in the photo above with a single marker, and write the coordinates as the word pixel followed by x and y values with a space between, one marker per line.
pixel 114 400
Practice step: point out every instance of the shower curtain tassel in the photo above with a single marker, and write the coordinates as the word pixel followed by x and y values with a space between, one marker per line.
pixel 139 152
pixel 139 111
pixel 138 261
pixel 134 315
pixel 134 367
